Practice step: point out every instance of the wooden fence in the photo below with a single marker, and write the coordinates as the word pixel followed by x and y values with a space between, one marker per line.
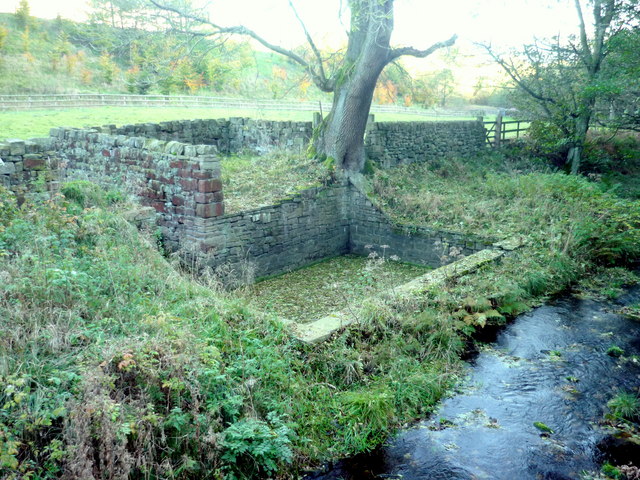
pixel 501 131
pixel 87 100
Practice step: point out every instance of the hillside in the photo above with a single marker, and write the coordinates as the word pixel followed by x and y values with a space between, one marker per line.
pixel 61 56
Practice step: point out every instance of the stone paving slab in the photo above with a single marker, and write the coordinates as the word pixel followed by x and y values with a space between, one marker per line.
pixel 324 327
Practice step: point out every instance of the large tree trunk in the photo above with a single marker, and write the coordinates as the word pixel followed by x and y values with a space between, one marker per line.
pixel 341 134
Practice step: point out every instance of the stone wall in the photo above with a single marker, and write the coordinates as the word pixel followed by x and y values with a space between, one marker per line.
pixel 395 143
pixel 388 143
pixel 21 163
pixel 233 136
pixel 310 226
pixel 320 223
pixel 182 183
pixel 370 230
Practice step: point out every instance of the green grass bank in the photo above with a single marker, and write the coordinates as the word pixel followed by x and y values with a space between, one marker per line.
pixel 116 363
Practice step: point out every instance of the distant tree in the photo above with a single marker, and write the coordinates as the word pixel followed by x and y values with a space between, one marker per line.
pixel 23 15
pixel 434 89
pixel 394 83
pixel 620 107
pixel 353 81
pixel 25 40
pixel 4 33
pixel 563 82
pixel 129 14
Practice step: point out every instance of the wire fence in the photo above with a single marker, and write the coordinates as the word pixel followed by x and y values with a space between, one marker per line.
pixel 89 100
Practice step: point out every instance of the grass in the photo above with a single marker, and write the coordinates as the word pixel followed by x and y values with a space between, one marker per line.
pixel 499 197
pixel 625 406
pixel 251 181
pixel 37 123
pixel 311 292
pixel 112 359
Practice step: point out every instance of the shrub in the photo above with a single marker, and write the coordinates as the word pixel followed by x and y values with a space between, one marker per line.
pixel 87 194
pixel 254 448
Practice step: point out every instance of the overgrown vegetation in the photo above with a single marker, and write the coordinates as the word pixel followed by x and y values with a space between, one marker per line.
pixel 568 219
pixel 252 181
pixel 331 285
pixel 116 364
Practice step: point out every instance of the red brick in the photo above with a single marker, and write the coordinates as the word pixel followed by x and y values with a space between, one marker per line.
pixel 154 194
pixel 210 210
pixel 205 210
pixel 203 197
pixel 177 200
pixel 176 164
pixel 190 185
pixel 159 206
pixel 208 186
pixel 201 175
pixel 106 153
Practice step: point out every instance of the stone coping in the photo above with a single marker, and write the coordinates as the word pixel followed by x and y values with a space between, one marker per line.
pixel 321 329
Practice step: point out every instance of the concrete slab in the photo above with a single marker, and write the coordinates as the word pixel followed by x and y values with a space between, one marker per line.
pixel 324 327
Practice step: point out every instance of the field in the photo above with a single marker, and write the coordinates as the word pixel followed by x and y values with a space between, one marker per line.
pixel 37 123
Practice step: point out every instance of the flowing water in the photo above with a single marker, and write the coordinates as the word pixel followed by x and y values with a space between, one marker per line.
pixel 548 366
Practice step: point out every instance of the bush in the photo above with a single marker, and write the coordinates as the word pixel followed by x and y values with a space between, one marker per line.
pixel 254 448
pixel 87 194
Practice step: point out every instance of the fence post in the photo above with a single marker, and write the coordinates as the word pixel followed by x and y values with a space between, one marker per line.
pixel 498 130
pixel 317 119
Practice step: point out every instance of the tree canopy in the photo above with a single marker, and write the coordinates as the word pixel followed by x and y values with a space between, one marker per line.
pixel 587 76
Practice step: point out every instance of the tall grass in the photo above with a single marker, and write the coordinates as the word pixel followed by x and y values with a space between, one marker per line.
pixel 117 365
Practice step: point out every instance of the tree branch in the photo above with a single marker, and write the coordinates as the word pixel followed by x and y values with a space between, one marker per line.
pixel 414 52
pixel 586 51
pixel 516 78
pixel 320 73
pixel 322 84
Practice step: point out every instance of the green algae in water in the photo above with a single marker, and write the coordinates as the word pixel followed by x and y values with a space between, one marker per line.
pixel 335 284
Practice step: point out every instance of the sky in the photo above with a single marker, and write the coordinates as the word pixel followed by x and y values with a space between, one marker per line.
pixel 417 22
pixel 420 23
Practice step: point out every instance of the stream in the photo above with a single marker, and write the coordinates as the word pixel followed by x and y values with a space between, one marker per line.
pixel 550 366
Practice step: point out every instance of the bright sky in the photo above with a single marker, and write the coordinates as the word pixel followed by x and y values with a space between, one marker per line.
pixel 418 23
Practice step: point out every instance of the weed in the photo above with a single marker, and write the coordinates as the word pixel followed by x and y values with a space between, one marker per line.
pixel 612 472
pixel 256 181
pixel 615 351
pixel 625 406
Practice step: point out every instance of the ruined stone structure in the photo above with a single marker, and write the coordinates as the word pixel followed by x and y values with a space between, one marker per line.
pixel 396 143
pixel 181 181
